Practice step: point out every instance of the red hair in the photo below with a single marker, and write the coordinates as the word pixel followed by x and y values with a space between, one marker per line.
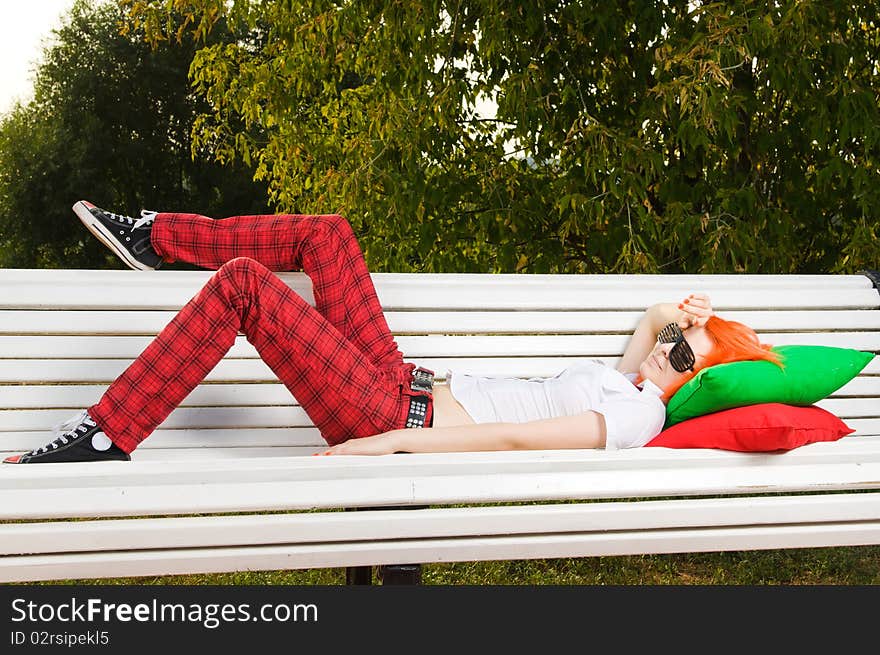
pixel 734 342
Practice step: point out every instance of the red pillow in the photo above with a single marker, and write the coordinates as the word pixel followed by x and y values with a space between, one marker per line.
pixel 755 428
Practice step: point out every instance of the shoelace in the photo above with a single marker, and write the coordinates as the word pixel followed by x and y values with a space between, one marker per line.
pixel 146 218
pixel 73 427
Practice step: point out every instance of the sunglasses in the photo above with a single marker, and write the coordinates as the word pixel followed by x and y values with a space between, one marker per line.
pixel 681 357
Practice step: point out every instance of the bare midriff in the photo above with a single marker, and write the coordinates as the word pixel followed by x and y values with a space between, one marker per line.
pixel 447 410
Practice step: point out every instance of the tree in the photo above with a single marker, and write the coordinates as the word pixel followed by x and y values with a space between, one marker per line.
pixel 666 136
pixel 111 121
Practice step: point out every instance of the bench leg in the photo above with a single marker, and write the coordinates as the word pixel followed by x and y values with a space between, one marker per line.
pixel 404 574
pixel 359 575
pixel 408 574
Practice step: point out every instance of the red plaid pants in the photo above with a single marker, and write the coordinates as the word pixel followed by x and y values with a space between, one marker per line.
pixel 338 359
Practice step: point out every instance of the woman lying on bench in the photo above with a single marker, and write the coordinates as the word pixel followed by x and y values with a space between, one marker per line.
pixel 341 362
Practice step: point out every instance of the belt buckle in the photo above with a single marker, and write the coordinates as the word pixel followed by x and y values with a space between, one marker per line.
pixel 422 380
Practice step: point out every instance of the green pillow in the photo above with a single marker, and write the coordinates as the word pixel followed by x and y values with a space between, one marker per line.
pixel 810 374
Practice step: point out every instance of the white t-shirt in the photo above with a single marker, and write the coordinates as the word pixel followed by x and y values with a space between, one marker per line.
pixel 633 415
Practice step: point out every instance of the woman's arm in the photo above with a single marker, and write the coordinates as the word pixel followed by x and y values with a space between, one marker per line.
pixel 586 430
pixel 645 337
pixel 695 310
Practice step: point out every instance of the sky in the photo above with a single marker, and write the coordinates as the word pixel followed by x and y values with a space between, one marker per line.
pixel 24 24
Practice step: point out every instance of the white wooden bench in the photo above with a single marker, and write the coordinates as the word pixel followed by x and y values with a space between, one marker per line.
pixel 64 335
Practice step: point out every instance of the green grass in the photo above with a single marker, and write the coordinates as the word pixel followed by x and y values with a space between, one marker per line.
pixel 806 566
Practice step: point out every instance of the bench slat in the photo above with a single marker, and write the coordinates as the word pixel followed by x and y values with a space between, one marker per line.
pixel 190 279
pixel 165 488
pixel 241 370
pixel 207 451
pixel 170 290
pixel 255 370
pixel 13 348
pixel 847 450
pixel 205 395
pixel 248 395
pixel 126 499
pixel 87 347
pixel 847 408
pixel 139 322
pixel 267 558
pixel 107 370
pixel 530 546
pixel 168 444
pixel 478 298
pixel 864 426
pixel 293 415
pixel 182 417
pixel 210 442
pixel 196 437
pixel 221 531
pixel 635 299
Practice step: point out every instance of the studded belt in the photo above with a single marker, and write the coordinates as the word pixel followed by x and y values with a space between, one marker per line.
pixel 422 382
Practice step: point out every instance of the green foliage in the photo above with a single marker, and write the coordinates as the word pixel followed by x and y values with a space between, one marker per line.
pixel 665 136
pixel 111 121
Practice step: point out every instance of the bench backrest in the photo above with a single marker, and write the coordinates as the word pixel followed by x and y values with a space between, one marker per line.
pixel 66 334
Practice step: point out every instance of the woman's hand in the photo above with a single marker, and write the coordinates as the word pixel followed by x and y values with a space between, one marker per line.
pixel 380 444
pixel 695 311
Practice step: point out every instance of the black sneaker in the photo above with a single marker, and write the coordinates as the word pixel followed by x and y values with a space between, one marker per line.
pixel 78 440
pixel 126 236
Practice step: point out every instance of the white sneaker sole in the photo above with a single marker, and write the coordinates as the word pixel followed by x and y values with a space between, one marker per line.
pixel 106 237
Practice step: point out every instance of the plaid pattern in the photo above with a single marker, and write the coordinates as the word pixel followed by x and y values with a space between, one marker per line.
pixel 338 359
